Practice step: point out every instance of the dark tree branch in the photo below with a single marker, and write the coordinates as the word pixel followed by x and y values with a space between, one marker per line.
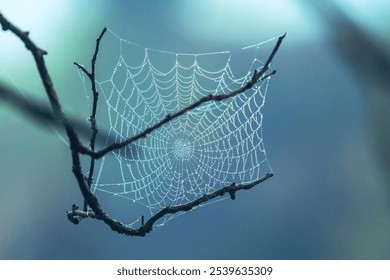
pixel 257 76
pixel 75 215
pixel 92 118
pixel 232 189
pixel 38 55
pixel 56 107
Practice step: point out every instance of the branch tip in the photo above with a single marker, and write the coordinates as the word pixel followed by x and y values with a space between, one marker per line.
pixel 254 75
pixel 269 75
pixel 43 52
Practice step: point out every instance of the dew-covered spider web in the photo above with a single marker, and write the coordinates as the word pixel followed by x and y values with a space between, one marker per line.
pixel 214 145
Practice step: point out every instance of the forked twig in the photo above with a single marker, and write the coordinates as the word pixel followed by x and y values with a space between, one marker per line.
pixel 92 118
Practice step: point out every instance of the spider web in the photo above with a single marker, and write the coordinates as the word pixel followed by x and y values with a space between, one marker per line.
pixel 204 150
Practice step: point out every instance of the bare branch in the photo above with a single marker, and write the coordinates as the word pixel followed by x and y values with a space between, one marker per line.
pixel 257 76
pixel 52 95
pixel 92 118
pixel 232 189
pixel 38 55
pixel 75 215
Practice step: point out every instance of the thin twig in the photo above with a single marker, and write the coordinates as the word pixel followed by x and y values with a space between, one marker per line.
pixel 75 215
pixel 232 189
pixel 92 118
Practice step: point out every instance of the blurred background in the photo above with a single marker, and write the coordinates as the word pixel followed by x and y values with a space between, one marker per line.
pixel 326 131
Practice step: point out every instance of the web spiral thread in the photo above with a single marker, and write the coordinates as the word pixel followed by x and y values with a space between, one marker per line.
pixel 206 149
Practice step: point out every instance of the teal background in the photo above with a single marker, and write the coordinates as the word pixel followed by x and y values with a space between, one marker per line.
pixel 329 198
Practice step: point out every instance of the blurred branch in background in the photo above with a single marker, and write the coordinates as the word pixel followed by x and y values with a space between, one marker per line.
pixel 43 115
pixel 369 61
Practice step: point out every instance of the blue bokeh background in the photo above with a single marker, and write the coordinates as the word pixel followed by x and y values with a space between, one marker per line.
pixel 330 194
